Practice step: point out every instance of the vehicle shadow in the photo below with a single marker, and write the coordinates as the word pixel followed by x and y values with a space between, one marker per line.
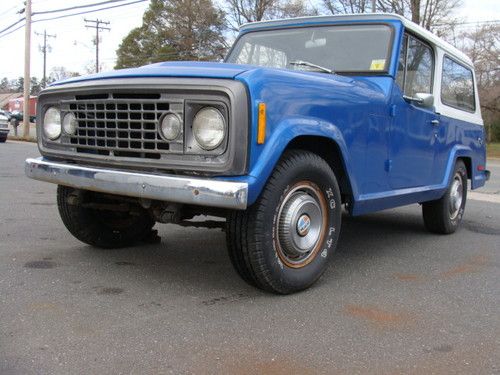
pixel 381 232
pixel 197 258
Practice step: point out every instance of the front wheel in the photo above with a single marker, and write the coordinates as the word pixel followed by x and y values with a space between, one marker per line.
pixel 283 242
pixel 83 215
pixel 445 214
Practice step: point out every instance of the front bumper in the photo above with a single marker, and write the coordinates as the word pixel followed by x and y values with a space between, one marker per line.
pixel 169 188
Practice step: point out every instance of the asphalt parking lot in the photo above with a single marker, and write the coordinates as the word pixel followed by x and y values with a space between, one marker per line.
pixel 395 300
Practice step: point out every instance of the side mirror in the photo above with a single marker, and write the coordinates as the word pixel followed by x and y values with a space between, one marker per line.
pixel 422 99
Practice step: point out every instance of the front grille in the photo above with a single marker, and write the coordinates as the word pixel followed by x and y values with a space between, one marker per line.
pixel 122 125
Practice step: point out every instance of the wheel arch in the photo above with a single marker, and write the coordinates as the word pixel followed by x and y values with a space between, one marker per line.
pixel 311 134
pixel 329 150
pixel 468 165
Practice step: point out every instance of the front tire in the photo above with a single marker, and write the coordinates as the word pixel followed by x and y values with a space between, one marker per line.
pixel 283 242
pixel 444 215
pixel 101 228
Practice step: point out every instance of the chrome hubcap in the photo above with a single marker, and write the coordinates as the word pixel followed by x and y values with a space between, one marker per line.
pixel 303 225
pixel 456 196
pixel 300 225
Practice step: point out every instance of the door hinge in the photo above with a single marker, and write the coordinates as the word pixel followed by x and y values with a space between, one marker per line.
pixel 393 110
pixel 388 165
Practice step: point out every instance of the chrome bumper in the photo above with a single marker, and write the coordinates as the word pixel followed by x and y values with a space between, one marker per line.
pixel 169 188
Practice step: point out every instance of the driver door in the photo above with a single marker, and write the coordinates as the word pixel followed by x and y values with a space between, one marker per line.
pixel 414 126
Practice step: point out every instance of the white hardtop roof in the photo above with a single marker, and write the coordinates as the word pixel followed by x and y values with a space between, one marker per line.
pixel 416 29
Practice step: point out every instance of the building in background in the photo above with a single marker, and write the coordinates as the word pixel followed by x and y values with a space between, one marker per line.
pixel 17 105
pixel 6 97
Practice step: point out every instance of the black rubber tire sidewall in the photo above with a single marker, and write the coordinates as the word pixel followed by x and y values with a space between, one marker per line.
pixel 287 279
pixel 459 168
pixel 436 213
pixel 85 225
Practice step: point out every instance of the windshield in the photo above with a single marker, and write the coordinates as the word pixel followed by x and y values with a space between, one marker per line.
pixel 340 49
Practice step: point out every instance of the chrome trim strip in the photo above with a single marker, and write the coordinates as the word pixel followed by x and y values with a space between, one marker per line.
pixel 170 188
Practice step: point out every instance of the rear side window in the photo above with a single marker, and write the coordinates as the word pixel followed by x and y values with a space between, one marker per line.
pixel 457 86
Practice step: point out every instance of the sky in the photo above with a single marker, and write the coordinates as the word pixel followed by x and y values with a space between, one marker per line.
pixel 73 46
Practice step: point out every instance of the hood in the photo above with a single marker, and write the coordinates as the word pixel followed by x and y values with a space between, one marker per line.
pixel 186 69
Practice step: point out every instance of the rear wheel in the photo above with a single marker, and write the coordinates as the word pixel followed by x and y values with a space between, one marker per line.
pixel 283 242
pixel 445 214
pixel 101 228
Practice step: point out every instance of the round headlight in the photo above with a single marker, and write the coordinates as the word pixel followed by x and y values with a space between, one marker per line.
pixel 170 126
pixel 52 123
pixel 69 123
pixel 209 128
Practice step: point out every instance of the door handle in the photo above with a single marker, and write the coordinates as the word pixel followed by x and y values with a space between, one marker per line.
pixel 435 122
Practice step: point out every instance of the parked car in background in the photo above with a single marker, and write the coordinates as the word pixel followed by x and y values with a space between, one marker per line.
pixel 18 116
pixel 368 111
pixel 4 127
pixel 6 113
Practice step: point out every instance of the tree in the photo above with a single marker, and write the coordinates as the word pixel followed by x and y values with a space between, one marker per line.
pixel 175 30
pixel 59 73
pixel 35 86
pixel 244 11
pixel 482 45
pixel 427 13
pixel 5 85
pixel 347 6
pixel 19 84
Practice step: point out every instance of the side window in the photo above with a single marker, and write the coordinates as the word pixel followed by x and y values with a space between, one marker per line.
pixel 400 76
pixel 419 68
pixel 415 67
pixel 457 86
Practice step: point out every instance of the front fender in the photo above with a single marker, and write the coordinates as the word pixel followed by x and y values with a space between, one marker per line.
pixel 284 133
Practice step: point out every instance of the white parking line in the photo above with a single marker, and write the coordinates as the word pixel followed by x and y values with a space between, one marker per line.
pixel 492 198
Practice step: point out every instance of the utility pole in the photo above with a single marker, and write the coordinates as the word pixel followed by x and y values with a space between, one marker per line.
pixel 44 51
pixel 96 25
pixel 374 6
pixel 27 79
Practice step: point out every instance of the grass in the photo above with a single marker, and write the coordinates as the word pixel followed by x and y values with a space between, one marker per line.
pixel 493 150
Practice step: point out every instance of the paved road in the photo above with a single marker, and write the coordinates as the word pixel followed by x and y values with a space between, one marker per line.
pixel 396 299
pixel 493 185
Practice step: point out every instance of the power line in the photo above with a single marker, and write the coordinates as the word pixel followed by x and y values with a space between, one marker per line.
pixel 466 23
pixel 78 7
pixel 12 25
pixel 89 11
pixel 97 27
pixel 9 10
pixel 11 31
pixel 66 15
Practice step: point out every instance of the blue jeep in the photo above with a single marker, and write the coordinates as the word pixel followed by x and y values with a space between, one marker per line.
pixel 306 115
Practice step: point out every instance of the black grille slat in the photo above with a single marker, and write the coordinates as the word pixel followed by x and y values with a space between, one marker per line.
pixel 123 125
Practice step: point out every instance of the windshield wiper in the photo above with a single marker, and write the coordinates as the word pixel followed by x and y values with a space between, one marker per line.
pixel 311 65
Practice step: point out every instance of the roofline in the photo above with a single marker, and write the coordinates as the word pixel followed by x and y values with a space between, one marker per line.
pixel 417 29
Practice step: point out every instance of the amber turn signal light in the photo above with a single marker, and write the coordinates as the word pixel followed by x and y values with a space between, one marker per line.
pixel 261 126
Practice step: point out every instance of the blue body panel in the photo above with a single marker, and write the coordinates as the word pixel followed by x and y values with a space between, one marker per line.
pixel 389 161
pixel 187 69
